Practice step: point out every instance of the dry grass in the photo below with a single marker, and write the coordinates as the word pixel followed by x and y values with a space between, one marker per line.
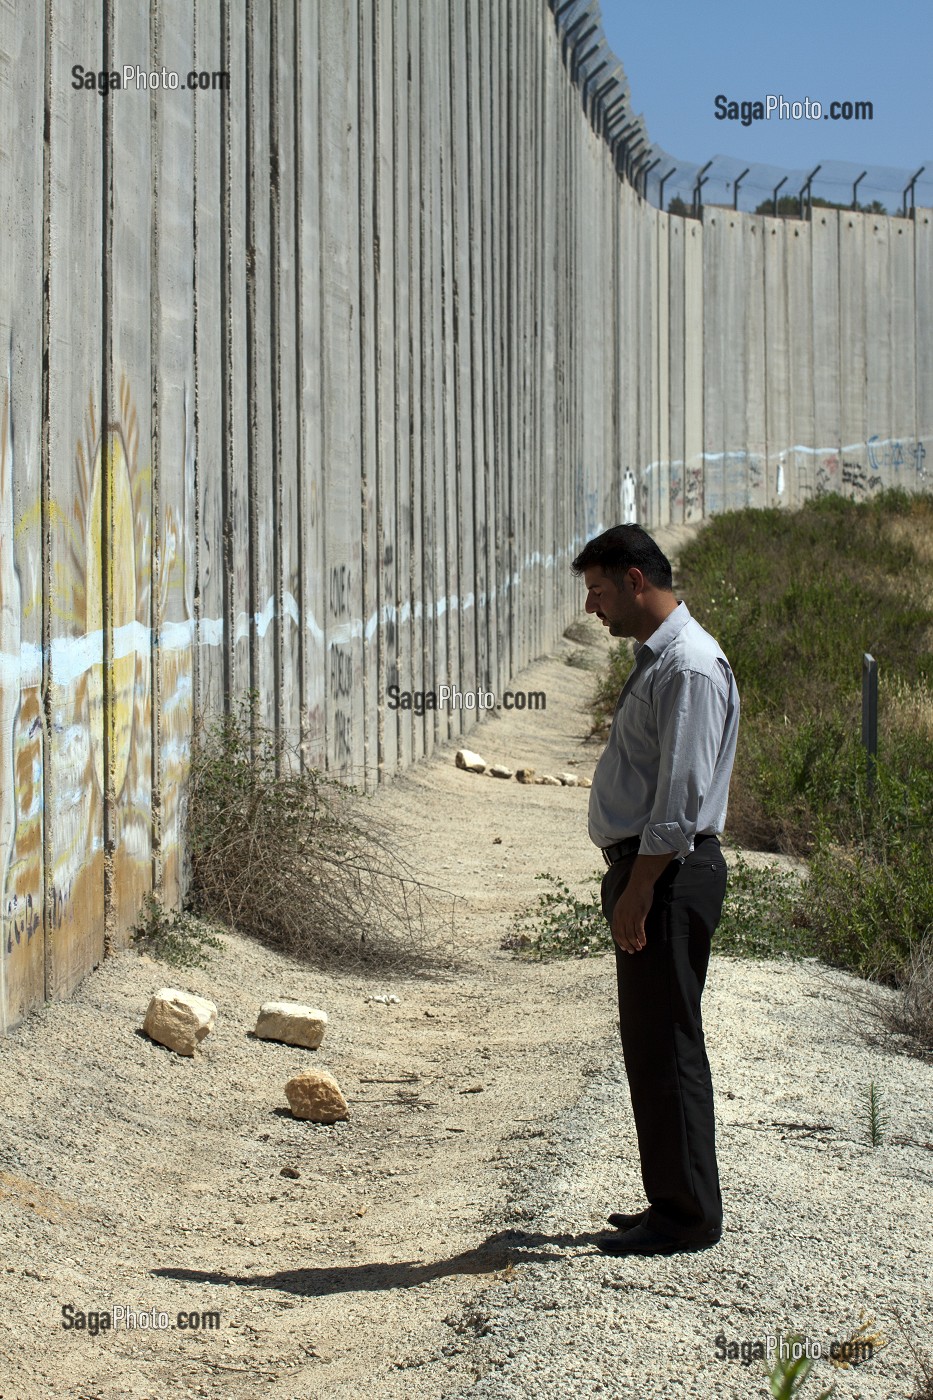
pixel 909 706
pixel 295 859
pixel 911 1014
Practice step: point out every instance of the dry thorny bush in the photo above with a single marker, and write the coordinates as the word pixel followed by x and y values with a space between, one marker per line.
pixel 295 859
pixel 911 1014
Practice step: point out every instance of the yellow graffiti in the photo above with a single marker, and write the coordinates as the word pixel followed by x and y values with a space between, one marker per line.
pixel 111 474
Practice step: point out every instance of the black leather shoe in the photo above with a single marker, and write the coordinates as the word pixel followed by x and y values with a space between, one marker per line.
pixel 641 1239
pixel 625 1222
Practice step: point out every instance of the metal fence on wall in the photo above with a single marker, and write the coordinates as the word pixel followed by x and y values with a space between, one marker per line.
pixel 315 385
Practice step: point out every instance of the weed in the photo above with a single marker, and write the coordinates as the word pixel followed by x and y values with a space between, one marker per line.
pixel 760 913
pixel 789 1373
pixel 874 1116
pixel 173 936
pixel 293 858
pixel 610 682
pixel 561 925
pixel 583 659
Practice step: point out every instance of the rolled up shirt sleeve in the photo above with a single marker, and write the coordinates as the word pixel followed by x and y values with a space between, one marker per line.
pixel 691 710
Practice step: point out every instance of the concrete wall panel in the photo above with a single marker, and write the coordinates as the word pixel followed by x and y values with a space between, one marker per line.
pixel 676 364
pixel 756 429
pixel 208 369
pixel 923 320
pixel 852 353
pixel 827 433
pixel 23 512
pixel 172 319
pixel 903 411
pixel 285 158
pixel 312 569
pixel 798 273
pixel 74 530
pixel 132 549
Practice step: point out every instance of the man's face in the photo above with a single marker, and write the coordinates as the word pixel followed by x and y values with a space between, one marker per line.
pixel 612 601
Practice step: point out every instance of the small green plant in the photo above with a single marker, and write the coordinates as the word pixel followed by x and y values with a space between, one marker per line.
pixel 173 936
pixel 561 925
pixel 760 917
pixel 788 1375
pixel 609 683
pixel 874 1116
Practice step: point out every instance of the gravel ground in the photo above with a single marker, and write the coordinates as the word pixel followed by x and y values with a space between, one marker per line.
pixel 439 1243
pixel 822 1230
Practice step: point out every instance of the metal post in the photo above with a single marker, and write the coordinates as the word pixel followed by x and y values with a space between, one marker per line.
pixel 855 189
pixel 735 187
pixel 910 188
pixel 806 186
pixel 870 716
pixel 701 180
pixel 663 182
pixel 644 176
pixel 775 195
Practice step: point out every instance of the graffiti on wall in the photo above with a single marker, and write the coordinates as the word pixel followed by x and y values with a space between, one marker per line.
pixel 84 574
pixel 894 454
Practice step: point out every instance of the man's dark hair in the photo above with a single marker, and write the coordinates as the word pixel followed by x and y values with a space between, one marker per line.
pixel 625 547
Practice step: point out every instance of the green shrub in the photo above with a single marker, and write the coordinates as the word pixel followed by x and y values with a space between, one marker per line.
pixel 760 916
pixel 173 936
pixel 608 685
pixel 560 925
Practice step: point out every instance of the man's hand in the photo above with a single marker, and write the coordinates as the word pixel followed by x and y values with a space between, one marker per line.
pixel 632 906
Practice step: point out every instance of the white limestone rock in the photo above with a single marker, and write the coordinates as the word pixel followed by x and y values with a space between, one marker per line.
pixel 499 770
pixel 179 1020
pixel 472 762
pixel 291 1023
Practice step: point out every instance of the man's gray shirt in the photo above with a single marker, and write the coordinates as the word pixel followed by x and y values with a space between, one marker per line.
pixel 664 774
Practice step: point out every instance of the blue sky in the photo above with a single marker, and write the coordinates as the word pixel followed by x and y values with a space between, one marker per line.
pixel 677 59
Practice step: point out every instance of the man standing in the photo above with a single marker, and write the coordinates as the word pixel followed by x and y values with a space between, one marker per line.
pixel 657 804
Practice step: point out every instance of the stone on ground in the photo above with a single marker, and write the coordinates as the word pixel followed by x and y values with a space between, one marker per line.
pixel 179 1020
pixel 292 1023
pixel 525 775
pixel 465 758
pixel 316 1095
pixel 499 770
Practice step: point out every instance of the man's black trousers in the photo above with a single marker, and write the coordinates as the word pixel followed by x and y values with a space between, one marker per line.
pixel 662 1040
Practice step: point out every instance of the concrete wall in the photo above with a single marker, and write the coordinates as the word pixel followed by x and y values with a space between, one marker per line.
pixel 317 386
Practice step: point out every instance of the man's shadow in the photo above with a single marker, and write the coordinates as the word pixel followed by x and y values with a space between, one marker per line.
pixel 497 1252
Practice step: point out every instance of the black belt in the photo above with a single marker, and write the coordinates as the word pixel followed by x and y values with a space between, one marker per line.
pixel 629 847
